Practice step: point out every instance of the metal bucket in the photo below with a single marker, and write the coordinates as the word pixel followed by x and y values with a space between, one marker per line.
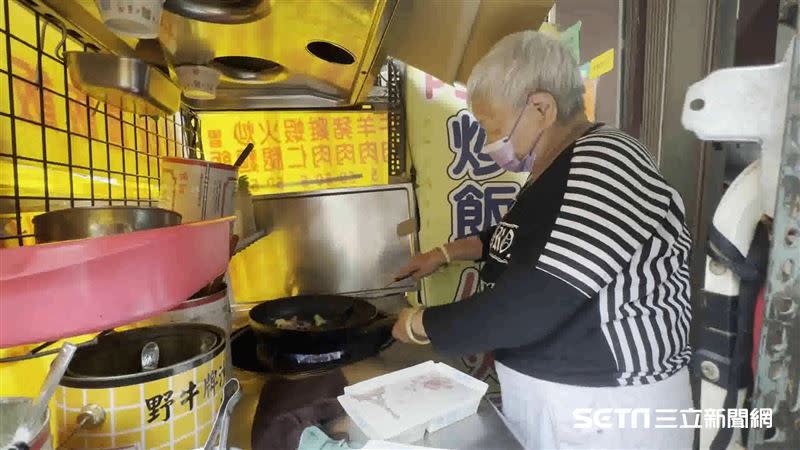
pixel 214 309
pixel 12 411
pixel 171 406
pixel 96 221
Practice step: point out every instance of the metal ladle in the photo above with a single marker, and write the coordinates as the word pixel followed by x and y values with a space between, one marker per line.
pixel 57 369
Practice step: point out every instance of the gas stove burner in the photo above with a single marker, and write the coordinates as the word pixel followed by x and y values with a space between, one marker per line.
pixel 250 354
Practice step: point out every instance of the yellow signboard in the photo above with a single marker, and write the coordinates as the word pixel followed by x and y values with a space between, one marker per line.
pixel 297 151
pixel 601 64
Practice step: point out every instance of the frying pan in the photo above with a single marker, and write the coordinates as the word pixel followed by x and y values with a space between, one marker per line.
pixel 349 319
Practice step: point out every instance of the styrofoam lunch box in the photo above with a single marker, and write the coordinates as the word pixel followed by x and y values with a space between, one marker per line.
pixel 402 405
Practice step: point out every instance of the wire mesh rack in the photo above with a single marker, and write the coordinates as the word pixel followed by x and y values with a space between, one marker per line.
pixel 59 148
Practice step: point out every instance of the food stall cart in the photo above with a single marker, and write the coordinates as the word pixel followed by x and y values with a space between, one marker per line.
pixel 187 187
pixel 125 158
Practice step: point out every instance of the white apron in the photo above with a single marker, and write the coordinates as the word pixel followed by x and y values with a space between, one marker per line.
pixel 540 413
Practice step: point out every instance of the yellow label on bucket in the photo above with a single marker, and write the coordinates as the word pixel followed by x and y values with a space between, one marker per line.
pixel 174 413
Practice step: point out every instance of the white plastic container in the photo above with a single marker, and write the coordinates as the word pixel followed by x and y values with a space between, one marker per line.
pixel 198 82
pixel 196 189
pixel 132 18
pixel 402 405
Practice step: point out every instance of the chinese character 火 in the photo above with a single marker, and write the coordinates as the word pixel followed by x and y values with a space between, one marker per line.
pixel 189 394
pixel 319 128
pixel 156 404
pixel 321 155
pixel 273 159
pixel 342 128
pixel 368 151
pixel 466 139
pixel 270 130
pixel 215 138
pixel 243 132
pixel 345 152
pixel 293 130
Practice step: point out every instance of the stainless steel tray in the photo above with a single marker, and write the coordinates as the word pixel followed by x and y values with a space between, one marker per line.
pixel 127 83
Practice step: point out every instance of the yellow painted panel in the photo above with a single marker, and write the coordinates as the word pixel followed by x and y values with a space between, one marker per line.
pixel 81 183
pixel 97 123
pixel 3 51
pixel 143 164
pixel 117 187
pixel 99 155
pixel 55 110
pixel 130 161
pixel 100 180
pixel 58 181
pixel 5 135
pixel 131 187
pixel 57 150
pixel 31 178
pixel 144 191
pixel 23 23
pixel 128 136
pixel 2 18
pixel 80 151
pixel 53 74
pixel 29 139
pixel 5 98
pixel 6 176
pixel 115 158
pixel 26 100
pixel 23 61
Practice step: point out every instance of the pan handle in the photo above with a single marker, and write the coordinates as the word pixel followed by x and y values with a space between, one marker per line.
pixel 378 324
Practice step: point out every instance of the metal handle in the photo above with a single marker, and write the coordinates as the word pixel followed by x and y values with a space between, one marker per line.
pixel 57 369
pixel 231 393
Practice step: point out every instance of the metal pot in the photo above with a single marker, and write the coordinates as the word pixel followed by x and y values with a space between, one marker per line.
pixel 96 221
pixel 214 309
pixel 15 409
pixel 170 404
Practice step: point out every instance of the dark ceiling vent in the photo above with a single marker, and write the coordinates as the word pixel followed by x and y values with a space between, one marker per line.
pixel 330 52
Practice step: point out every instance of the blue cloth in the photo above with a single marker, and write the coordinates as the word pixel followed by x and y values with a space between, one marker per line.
pixel 315 439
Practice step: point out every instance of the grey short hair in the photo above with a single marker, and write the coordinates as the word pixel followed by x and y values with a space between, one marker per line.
pixel 524 63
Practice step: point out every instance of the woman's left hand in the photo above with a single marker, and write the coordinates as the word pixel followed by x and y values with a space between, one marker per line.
pixel 400 329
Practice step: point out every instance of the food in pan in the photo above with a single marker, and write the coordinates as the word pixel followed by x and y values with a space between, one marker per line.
pixel 295 323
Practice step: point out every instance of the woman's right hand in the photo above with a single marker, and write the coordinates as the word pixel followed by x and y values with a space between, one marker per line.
pixel 421 265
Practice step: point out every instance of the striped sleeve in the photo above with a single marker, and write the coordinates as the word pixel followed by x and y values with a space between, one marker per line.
pixel 613 202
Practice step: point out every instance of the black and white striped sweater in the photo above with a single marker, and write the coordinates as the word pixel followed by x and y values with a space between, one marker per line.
pixel 589 273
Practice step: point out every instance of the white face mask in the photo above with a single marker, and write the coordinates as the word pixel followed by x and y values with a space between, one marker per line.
pixel 502 151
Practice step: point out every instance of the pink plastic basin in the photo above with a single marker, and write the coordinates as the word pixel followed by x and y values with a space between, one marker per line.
pixel 52 291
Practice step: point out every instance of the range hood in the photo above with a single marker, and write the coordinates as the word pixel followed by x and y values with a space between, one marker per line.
pixel 310 53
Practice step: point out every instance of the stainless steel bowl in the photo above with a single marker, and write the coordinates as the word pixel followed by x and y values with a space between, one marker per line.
pixel 96 221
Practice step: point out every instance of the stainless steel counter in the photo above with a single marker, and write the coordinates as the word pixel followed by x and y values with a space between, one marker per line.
pixel 484 430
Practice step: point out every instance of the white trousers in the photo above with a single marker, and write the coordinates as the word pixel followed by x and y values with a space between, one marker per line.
pixel 541 414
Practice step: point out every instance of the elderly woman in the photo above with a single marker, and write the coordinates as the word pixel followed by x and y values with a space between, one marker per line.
pixel 588 304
